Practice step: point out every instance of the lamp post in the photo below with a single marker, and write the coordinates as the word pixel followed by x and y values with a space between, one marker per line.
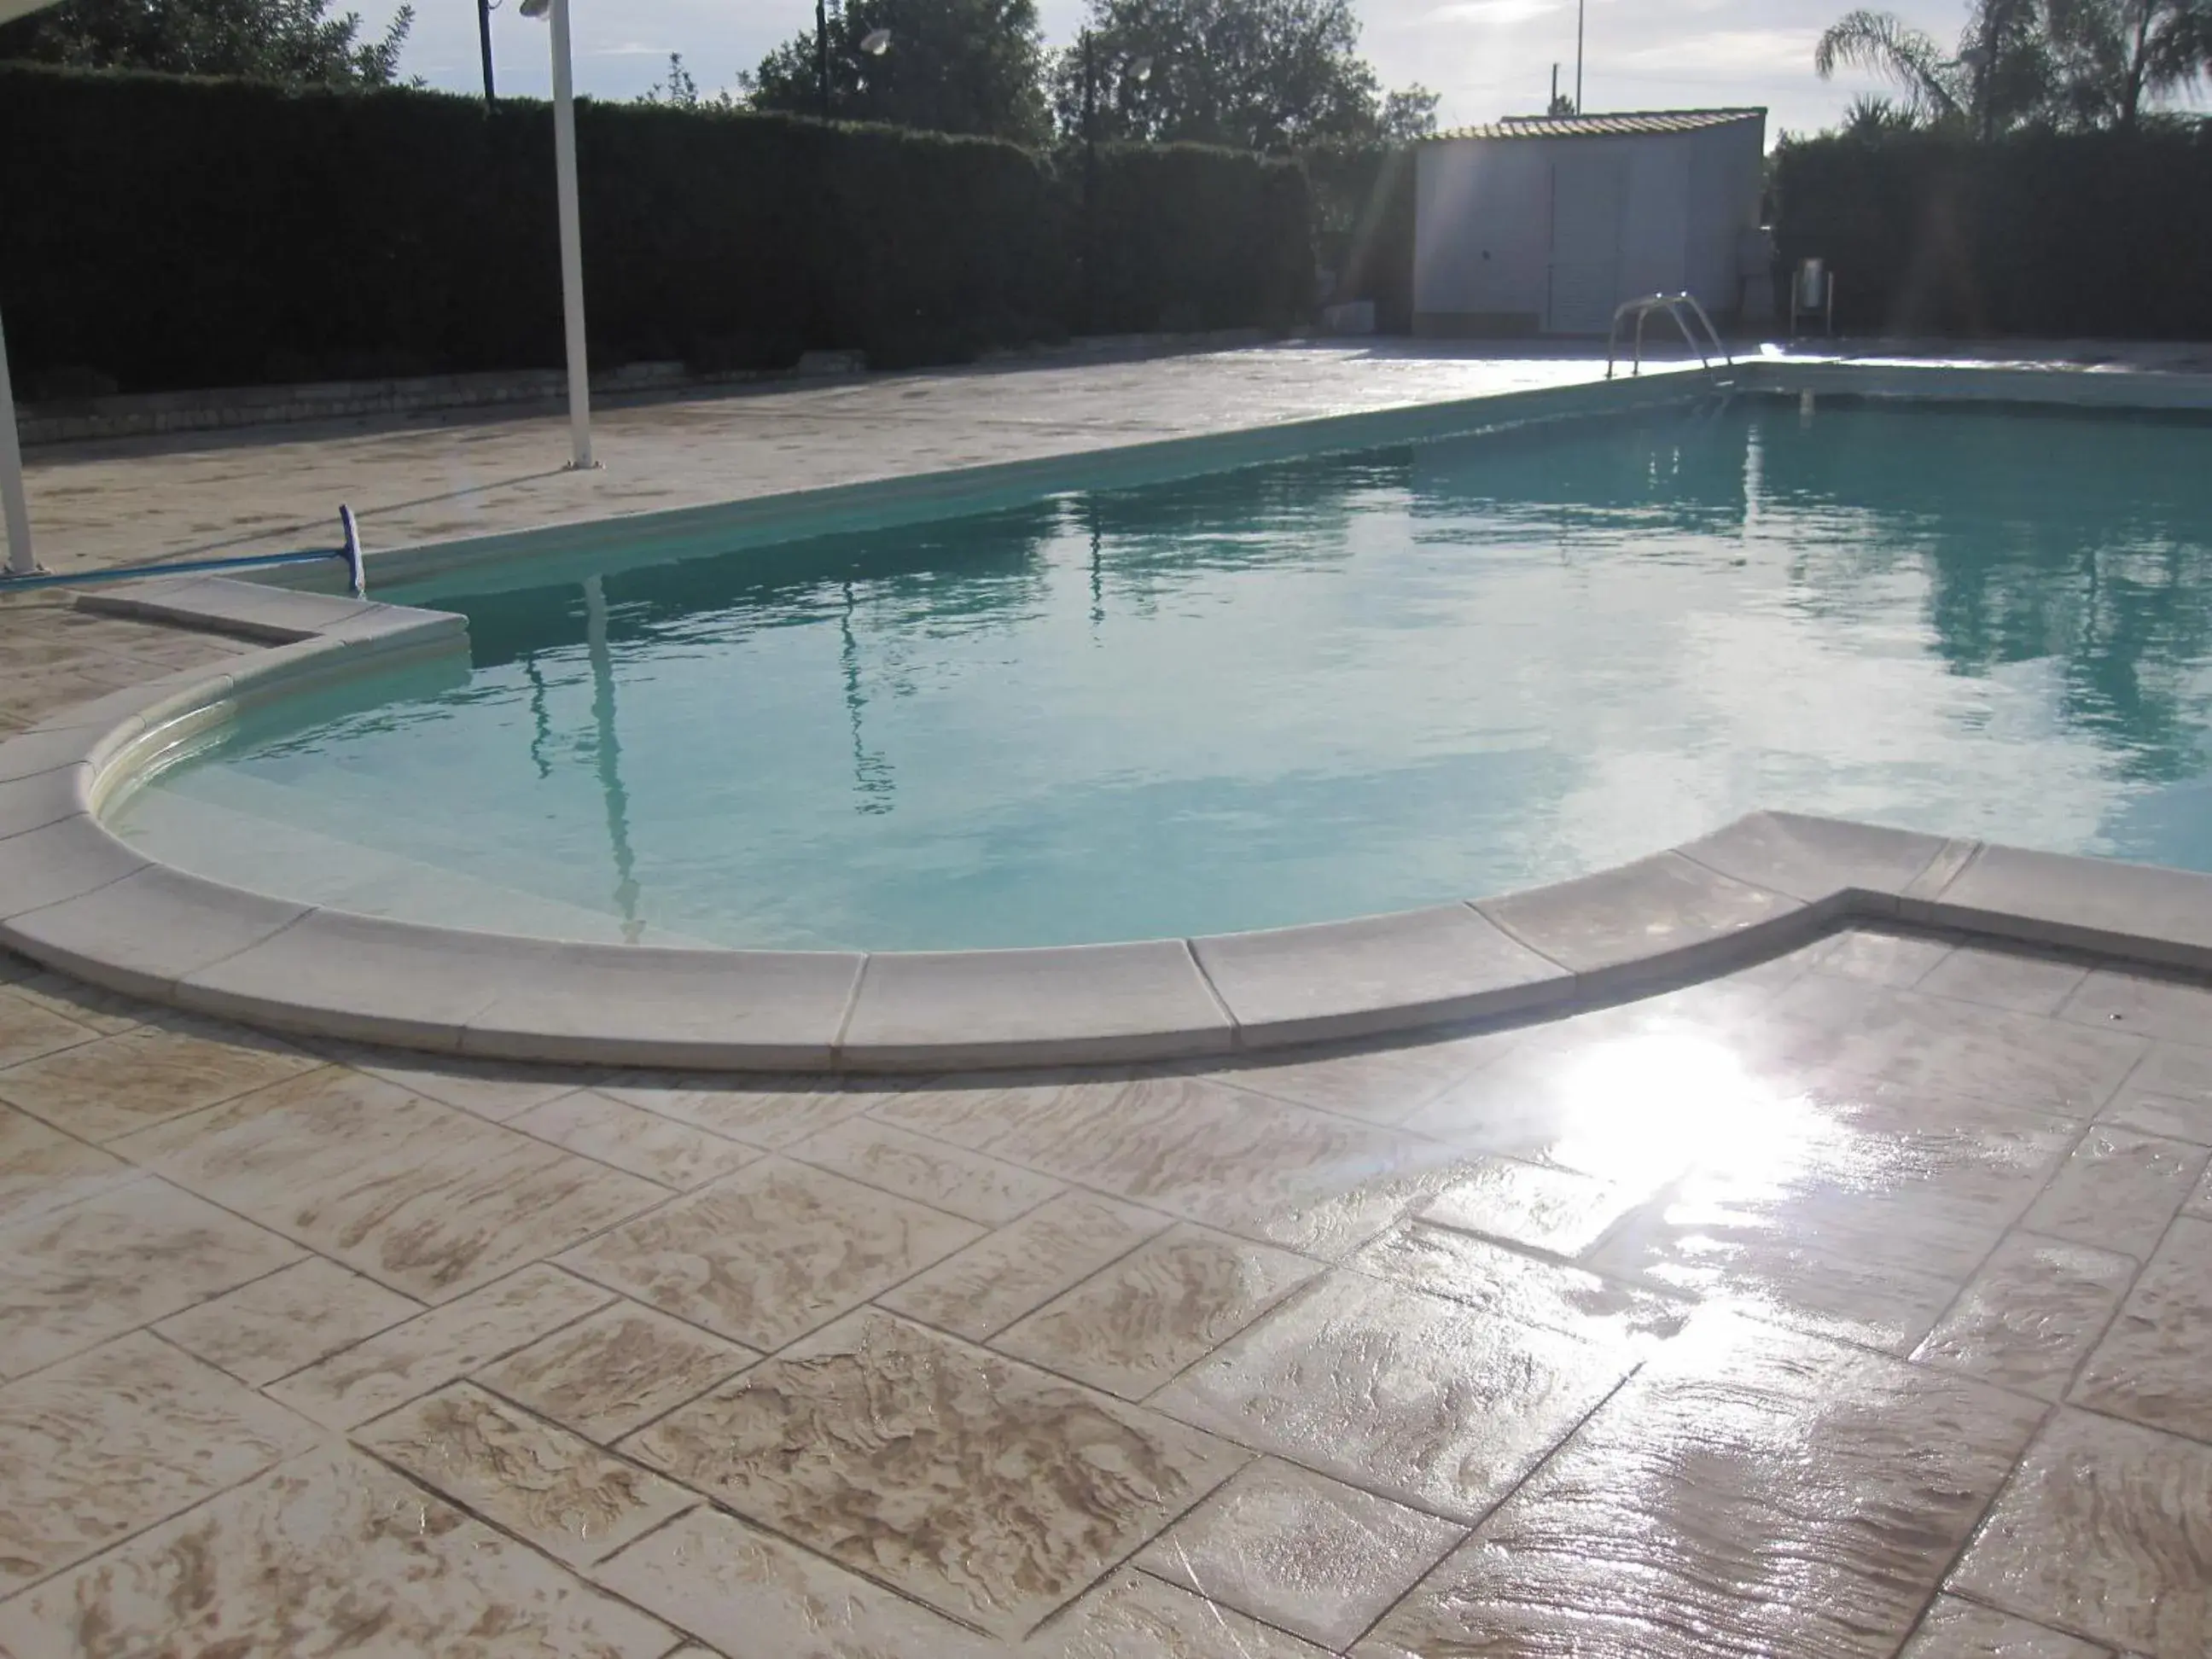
pixel 483 41
pixel 875 43
pixel 1581 15
pixel 572 232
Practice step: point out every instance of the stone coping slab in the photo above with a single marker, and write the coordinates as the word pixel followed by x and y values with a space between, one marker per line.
pixel 74 897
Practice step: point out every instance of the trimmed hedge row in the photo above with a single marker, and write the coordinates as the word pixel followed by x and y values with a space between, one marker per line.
pixel 2104 233
pixel 172 233
pixel 1362 200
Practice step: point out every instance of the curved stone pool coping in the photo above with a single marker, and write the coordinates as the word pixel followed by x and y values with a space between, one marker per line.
pixel 75 897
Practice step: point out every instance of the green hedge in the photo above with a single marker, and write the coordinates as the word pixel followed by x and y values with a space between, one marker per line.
pixel 172 233
pixel 1363 226
pixel 2102 234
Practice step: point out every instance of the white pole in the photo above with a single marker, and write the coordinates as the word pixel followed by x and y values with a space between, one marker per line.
pixel 17 511
pixel 572 240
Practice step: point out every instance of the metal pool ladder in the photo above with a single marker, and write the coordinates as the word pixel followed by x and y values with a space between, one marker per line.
pixel 1674 305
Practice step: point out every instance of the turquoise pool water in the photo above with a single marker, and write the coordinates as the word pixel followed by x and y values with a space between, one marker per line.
pixel 1286 694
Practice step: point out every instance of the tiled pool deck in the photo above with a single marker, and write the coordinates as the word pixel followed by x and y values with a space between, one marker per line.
pixel 1860 1302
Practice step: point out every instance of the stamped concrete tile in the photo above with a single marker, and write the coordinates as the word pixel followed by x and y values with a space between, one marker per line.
pixel 433 1348
pixel 1555 1211
pixel 29 1029
pixel 927 1171
pixel 326 1554
pixel 673 1154
pixel 1300 1551
pixel 548 1487
pixel 2118 1189
pixel 494 1089
pixel 277 1325
pixel 1749 1491
pixel 990 1490
pixel 104 1089
pixel 2027 1318
pixel 1247 1164
pixel 1772 1275
pixel 2154 1365
pixel 2169 1094
pixel 124 1257
pixel 763 1112
pixel 2005 979
pixel 1383 1085
pixel 99 1010
pixel 1406 1394
pixel 617 1371
pixel 423 1198
pixel 2200 1200
pixel 2103 1533
pixel 1165 1304
pixel 745 1591
pixel 1960 1630
pixel 1879 958
pixel 979 1292
pixel 1505 1285
pixel 43 1169
pixel 1134 1613
pixel 117 1439
pixel 773 1252
pixel 2173 1009
pixel 1937 1042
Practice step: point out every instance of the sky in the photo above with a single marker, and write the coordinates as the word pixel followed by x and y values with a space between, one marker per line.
pixel 1487 57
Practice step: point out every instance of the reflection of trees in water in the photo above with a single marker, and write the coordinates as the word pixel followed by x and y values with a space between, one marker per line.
pixel 2078 539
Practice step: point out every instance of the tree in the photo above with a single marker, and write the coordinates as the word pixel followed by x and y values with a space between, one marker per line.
pixel 2114 54
pixel 2061 63
pixel 293 41
pixel 948 66
pixel 1269 74
pixel 2000 74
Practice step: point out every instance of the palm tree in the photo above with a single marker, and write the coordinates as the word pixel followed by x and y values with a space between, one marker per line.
pixel 1936 89
pixel 2115 53
pixel 2076 62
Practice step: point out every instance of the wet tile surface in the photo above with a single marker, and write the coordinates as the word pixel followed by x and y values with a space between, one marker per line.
pixel 2028 1318
pixel 2154 1363
pixel 1697 1511
pixel 1064 1359
pixel 2102 1533
pixel 327 1554
pixel 1406 1394
pixel 1165 1304
pixel 771 1253
pixel 616 1371
pixel 1555 1211
pixel 992 1492
pixel 2119 1189
pixel 1960 1630
pixel 1306 1553
pixel 548 1487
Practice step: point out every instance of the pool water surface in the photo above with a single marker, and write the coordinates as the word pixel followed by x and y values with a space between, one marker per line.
pixel 1285 694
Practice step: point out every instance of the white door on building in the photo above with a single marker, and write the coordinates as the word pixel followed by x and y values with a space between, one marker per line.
pixel 1590 195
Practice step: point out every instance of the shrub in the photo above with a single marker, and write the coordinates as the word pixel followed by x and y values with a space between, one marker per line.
pixel 172 233
pixel 2106 233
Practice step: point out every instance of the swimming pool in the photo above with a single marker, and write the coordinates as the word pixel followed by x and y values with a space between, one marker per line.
pixel 1290 692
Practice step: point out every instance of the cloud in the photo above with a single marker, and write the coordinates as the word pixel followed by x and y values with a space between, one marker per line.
pixel 1498 13
pixel 1746 52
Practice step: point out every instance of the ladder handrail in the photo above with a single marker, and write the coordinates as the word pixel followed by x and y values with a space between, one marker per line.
pixel 1673 305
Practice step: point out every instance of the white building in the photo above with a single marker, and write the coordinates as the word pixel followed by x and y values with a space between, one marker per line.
pixel 1542 225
